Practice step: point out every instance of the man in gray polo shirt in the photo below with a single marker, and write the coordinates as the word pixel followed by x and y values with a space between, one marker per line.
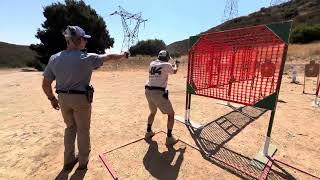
pixel 72 70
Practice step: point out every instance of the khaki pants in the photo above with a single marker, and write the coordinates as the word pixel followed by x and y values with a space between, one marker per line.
pixel 156 100
pixel 76 112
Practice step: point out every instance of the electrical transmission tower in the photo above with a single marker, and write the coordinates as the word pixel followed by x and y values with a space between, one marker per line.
pixel 230 10
pixel 130 34
pixel 276 2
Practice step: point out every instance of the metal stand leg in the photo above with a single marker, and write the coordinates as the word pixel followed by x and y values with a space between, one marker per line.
pixel 262 158
pixel 267 142
pixel 187 112
pixel 304 83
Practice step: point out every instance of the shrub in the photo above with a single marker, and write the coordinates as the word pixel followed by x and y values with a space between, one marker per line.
pixel 149 47
pixel 305 33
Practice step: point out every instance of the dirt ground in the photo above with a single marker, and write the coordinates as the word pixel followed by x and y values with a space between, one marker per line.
pixel 31 133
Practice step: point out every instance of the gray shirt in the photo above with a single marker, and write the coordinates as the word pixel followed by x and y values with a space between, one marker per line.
pixel 72 70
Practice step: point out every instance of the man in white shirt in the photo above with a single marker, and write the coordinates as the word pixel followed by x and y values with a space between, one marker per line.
pixel 157 94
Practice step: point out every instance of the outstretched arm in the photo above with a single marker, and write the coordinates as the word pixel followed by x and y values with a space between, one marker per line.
pixel 107 57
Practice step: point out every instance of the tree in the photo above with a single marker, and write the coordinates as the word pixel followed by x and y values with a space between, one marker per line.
pixel 305 33
pixel 58 17
pixel 148 47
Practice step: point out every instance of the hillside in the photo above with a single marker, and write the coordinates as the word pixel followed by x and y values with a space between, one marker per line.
pixel 300 11
pixel 13 56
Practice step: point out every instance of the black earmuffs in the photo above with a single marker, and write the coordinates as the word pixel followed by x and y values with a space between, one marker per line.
pixel 166 58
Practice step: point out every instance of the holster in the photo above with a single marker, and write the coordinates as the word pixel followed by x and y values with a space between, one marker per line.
pixel 166 94
pixel 89 93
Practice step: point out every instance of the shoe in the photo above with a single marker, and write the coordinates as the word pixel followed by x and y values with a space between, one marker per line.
pixel 69 167
pixel 170 141
pixel 149 135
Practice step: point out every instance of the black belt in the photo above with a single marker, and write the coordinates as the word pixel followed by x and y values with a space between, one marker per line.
pixel 70 92
pixel 155 88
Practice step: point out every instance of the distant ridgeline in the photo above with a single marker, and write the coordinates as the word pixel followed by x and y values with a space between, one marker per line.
pixel 14 56
pixel 304 13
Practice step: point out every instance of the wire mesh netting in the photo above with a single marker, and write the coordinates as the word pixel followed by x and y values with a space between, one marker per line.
pixel 241 65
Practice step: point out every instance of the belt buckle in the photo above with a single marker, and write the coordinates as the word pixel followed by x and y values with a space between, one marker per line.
pixel 68 91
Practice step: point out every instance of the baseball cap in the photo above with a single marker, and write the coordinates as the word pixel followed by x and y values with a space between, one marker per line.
pixel 75 31
pixel 163 54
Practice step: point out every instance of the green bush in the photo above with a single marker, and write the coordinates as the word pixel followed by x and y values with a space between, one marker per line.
pixel 305 33
pixel 36 64
pixel 149 47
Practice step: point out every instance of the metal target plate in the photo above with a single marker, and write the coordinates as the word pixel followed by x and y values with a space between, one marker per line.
pixel 312 70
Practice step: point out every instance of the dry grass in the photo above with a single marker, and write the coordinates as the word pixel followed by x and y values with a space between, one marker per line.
pixel 304 51
pixel 133 63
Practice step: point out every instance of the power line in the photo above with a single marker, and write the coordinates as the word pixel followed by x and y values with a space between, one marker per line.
pixel 130 34
pixel 230 10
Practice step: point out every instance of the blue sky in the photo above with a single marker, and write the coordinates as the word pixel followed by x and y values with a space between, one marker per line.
pixel 169 20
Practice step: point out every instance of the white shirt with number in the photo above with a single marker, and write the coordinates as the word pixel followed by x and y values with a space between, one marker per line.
pixel 158 73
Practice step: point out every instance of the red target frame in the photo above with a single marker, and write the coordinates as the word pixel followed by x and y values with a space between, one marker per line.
pixel 241 65
pixel 244 66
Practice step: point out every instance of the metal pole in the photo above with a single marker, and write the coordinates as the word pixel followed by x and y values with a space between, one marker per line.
pixel 188 95
pixel 187 110
pixel 187 119
pixel 304 80
pixel 317 83
pixel 268 138
pixel 317 93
